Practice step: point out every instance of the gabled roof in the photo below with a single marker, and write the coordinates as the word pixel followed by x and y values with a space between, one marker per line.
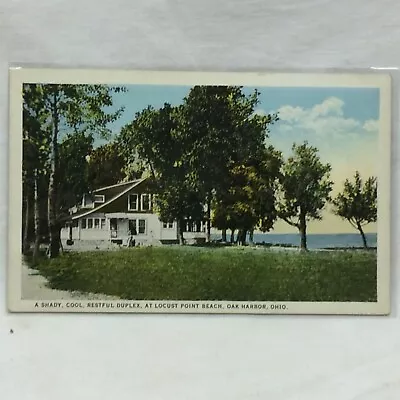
pixel 134 183
pixel 116 185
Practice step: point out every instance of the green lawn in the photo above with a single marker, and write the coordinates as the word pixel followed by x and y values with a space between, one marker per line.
pixel 174 273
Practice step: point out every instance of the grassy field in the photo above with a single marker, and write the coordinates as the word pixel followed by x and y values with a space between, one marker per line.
pixel 174 273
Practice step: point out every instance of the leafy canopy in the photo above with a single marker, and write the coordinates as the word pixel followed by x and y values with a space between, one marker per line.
pixel 357 203
pixel 305 185
pixel 106 166
pixel 250 199
pixel 219 129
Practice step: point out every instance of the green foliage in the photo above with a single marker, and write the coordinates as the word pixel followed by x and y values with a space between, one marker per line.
pixel 219 129
pixel 153 138
pixel 51 111
pixel 73 172
pixel 192 151
pixel 249 202
pixel 106 166
pixel 305 185
pixel 77 113
pixel 36 135
pixel 357 203
pixel 83 108
pixel 189 273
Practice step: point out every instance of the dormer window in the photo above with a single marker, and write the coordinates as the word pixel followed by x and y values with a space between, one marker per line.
pixel 146 202
pixel 99 198
pixel 133 202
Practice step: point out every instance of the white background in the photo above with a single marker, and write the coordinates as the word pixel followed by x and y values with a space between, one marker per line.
pixel 198 357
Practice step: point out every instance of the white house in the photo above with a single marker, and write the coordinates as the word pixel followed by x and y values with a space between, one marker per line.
pixel 113 213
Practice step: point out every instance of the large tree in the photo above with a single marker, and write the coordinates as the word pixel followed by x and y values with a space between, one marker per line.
pixel 66 108
pixel 176 200
pixel 36 141
pixel 73 179
pixel 305 188
pixel 357 203
pixel 219 130
pixel 191 149
pixel 153 139
pixel 249 202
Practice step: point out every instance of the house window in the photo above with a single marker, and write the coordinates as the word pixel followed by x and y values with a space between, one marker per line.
pixel 83 223
pixel 132 227
pixel 75 223
pixel 99 198
pixel 97 223
pixel 142 226
pixel 133 202
pixel 90 223
pixel 168 225
pixel 87 201
pixel 145 202
pixel 103 223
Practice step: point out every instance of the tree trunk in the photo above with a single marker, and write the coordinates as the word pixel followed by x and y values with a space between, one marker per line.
pixel 224 235
pixel 238 236
pixel 244 234
pixel 208 234
pixel 61 248
pixel 232 236
pixel 152 169
pixel 179 232
pixel 303 232
pixel 54 246
pixel 364 239
pixel 25 242
pixel 36 213
pixel 241 237
pixel 251 236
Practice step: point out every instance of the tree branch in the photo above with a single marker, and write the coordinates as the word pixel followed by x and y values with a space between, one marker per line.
pixel 352 223
pixel 288 221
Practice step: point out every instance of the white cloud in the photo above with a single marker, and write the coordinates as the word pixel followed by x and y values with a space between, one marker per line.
pixel 330 106
pixel 324 121
pixel 291 114
pixel 371 125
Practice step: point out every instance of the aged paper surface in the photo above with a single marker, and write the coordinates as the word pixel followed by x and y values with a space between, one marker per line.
pixel 150 235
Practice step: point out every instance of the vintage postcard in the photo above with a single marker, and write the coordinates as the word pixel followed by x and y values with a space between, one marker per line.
pixel 199 192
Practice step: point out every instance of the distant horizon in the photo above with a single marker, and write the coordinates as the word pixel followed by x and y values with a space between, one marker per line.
pixel 314 240
pixel 218 231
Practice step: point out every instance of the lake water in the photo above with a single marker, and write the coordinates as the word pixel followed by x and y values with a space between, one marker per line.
pixel 314 241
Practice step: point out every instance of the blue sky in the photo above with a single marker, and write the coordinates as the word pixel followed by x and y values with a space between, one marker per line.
pixel 359 103
pixel 343 123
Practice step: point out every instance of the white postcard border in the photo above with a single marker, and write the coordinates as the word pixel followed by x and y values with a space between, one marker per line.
pixel 375 79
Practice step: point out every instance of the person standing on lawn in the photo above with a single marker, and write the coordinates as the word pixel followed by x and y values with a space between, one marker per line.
pixel 131 239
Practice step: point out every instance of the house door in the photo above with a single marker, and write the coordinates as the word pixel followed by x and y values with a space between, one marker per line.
pixel 119 228
pixel 114 228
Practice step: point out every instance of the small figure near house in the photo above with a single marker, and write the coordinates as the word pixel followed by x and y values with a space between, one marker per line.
pixel 131 238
